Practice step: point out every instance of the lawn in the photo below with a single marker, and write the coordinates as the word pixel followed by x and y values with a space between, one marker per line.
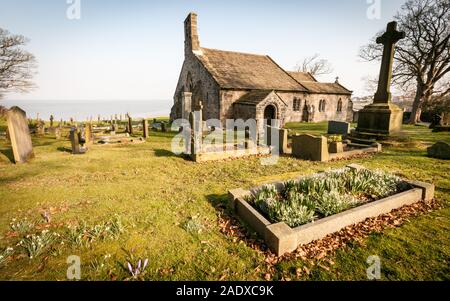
pixel 170 209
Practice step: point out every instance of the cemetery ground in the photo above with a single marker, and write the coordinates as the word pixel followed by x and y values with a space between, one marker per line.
pixel 121 203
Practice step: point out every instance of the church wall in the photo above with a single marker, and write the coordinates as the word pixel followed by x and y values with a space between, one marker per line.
pixel 203 86
pixel 227 98
pixel 244 112
pixel 288 98
pixel 331 107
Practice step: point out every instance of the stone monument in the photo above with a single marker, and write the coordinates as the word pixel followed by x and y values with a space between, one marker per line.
pixel 145 129
pixel 19 135
pixel 383 118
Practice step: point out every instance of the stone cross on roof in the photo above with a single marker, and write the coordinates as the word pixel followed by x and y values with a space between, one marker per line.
pixel 388 39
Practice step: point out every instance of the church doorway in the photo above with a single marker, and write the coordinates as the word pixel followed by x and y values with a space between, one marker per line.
pixel 270 113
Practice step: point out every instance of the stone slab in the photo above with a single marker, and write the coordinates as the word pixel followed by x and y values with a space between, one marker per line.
pixel 281 238
pixel 338 128
pixel 19 135
pixel 440 150
pixel 427 189
pixel 251 216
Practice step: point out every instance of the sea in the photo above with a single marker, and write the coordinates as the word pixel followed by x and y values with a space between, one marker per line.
pixel 83 110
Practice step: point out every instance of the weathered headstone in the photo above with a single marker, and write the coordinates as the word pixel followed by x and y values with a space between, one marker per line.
pixel 145 128
pixel 309 147
pixel 163 127
pixel 51 120
pixel 19 135
pixel 75 140
pixel 88 134
pixel 338 127
pixel 196 132
pixel 58 133
pixel 383 117
pixel 130 125
pixel 40 128
pixel 440 150
pixel 282 139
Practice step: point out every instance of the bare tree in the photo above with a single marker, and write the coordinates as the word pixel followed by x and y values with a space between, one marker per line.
pixel 370 84
pixel 315 65
pixel 16 64
pixel 422 59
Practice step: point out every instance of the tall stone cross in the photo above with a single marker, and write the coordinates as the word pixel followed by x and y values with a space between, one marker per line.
pixel 388 39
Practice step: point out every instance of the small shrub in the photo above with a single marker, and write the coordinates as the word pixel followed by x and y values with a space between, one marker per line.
pixel 5 254
pixel 325 194
pixel 296 210
pixel 22 227
pixel 83 235
pixel 36 244
pixel 76 236
pixel 332 202
pixel 192 225
pixel 99 264
pixel 335 138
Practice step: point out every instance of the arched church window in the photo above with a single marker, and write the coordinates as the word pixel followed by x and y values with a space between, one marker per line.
pixel 339 105
pixel 322 105
pixel 189 85
pixel 296 104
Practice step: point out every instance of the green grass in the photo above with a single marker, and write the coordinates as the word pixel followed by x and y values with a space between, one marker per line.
pixel 169 209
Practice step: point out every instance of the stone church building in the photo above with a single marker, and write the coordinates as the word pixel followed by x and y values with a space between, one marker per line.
pixel 233 85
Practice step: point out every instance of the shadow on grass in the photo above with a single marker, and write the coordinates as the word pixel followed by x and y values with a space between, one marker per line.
pixel 64 149
pixel 8 153
pixel 221 203
pixel 166 153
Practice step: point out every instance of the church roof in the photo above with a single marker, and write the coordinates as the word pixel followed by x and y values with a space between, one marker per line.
pixel 253 97
pixel 310 83
pixel 326 88
pixel 235 70
pixel 302 76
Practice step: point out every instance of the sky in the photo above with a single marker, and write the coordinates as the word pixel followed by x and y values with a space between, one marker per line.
pixel 134 50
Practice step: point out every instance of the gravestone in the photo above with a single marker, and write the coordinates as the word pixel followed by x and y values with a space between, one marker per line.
pixel 383 117
pixel 282 139
pixel 336 147
pixel 440 150
pixel 309 147
pixel 145 128
pixel 196 132
pixel 88 134
pixel 130 125
pixel 51 120
pixel 338 128
pixel 40 128
pixel 250 141
pixel 163 127
pixel 19 135
pixel 58 133
pixel 75 140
